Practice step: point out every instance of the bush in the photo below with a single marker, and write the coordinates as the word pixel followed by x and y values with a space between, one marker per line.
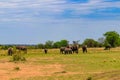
pixel 18 57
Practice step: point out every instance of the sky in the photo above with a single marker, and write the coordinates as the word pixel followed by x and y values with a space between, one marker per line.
pixel 37 21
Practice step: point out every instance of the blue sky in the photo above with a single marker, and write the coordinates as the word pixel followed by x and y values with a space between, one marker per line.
pixel 36 21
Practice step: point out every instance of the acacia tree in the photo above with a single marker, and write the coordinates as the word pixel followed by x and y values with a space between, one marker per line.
pixel 112 38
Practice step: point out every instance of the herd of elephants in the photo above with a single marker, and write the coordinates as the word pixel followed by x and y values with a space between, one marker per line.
pixel 72 49
pixel 63 50
pixel 20 48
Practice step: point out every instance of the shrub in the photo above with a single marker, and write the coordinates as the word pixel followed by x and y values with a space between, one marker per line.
pixel 18 56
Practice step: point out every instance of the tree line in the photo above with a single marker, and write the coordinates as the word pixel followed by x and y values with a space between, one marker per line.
pixel 111 38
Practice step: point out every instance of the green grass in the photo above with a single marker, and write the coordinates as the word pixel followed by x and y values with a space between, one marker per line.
pixel 77 66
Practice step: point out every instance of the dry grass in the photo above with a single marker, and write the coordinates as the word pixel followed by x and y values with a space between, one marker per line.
pixel 98 64
pixel 26 70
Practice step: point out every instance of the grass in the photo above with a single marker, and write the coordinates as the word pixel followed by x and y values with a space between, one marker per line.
pixel 80 66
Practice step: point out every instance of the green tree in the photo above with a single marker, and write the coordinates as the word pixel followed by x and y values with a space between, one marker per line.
pixel 112 38
pixel 90 43
pixel 49 44
pixel 41 46
pixel 57 44
pixel 64 43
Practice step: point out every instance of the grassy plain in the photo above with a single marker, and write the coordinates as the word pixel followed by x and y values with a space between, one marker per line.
pixel 97 64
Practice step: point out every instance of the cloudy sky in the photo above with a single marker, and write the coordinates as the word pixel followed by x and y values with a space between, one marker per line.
pixel 36 21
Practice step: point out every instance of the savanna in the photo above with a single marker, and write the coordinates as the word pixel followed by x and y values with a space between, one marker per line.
pixel 96 64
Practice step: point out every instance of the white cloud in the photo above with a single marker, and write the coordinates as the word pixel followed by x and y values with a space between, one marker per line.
pixel 7 5
pixel 46 8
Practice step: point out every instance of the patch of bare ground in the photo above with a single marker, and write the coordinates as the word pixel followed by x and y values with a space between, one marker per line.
pixel 112 75
pixel 8 70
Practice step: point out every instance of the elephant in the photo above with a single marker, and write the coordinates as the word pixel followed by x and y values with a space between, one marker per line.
pixel 45 50
pixel 84 48
pixel 75 49
pixel 10 51
pixel 62 49
pixel 22 48
pixel 65 50
pixel 107 47
pixel 68 50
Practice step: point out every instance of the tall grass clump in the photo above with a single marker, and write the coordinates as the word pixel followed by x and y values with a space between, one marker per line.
pixel 18 55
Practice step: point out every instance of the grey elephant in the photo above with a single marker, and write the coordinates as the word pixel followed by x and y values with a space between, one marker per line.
pixel 84 48
pixel 62 49
pixel 68 50
pixel 22 48
pixel 75 49
pixel 10 51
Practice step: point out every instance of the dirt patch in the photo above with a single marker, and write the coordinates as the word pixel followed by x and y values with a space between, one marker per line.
pixel 112 75
pixel 8 70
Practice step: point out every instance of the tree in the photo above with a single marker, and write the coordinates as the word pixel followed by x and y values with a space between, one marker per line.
pixel 112 38
pixel 49 44
pixel 41 46
pixel 57 44
pixel 101 41
pixel 64 43
pixel 90 43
